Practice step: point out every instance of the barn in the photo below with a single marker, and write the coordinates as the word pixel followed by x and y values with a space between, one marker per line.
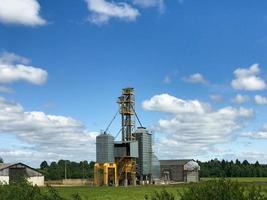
pixel 12 172
pixel 179 170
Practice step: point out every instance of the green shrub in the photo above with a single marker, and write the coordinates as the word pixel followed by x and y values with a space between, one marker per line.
pixel 222 189
pixel 23 190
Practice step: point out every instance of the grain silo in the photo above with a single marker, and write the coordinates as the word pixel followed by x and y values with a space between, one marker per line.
pixel 104 148
pixel 105 170
pixel 144 160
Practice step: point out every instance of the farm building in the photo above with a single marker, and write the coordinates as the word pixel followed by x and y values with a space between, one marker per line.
pixel 14 171
pixel 179 170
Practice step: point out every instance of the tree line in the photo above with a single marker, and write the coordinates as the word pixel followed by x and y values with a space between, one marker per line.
pixel 213 168
pixel 67 169
pixel 223 168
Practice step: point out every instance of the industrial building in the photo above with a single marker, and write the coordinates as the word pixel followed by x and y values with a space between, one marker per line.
pixel 12 172
pixel 131 160
pixel 179 170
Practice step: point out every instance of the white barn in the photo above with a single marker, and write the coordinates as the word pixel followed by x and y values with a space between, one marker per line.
pixel 13 171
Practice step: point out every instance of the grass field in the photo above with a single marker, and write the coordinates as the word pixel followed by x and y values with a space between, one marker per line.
pixel 244 179
pixel 119 193
pixel 138 192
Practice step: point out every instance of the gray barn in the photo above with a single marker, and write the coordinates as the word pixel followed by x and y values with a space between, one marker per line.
pixel 14 171
pixel 179 170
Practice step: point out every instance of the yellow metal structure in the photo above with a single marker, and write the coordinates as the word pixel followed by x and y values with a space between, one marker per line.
pixel 105 174
pixel 127 171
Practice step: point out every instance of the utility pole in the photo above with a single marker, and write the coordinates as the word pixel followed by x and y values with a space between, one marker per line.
pixel 65 169
pixel 83 169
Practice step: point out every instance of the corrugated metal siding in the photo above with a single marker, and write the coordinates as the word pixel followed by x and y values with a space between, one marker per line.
pixel 134 149
pixel 192 176
pixel 145 151
pixel 104 148
pixel 176 172
pixel 123 149
pixel 120 151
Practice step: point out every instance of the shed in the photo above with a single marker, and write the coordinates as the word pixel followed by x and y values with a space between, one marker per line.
pixel 179 170
pixel 12 172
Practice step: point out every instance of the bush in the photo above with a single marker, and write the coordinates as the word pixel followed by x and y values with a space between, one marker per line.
pixel 23 190
pixel 222 189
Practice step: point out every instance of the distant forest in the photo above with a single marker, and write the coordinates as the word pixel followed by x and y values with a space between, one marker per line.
pixel 216 168
pixel 74 170
pixel 212 168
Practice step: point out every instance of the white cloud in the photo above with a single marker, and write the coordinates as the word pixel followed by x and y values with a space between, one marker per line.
pixel 196 78
pixel 102 11
pixel 150 3
pixel 26 12
pixel 193 128
pixel 216 98
pixel 260 100
pixel 248 79
pixel 240 99
pixel 14 68
pixel 49 136
pixel 171 104
pixel 261 134
pixel 10 58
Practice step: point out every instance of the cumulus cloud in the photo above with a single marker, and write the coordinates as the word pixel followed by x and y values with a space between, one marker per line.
pixel 47 135
pixel 240 99
pixel 14 68
pixel 193 128
pixel 102 11
pixel 248 79
pixel 150 3
pixel 196 78
pixel 171 104
pixel 260 100
pixel 25 12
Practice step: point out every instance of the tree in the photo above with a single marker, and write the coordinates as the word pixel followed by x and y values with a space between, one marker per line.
pixel 44 165
pixel 1 160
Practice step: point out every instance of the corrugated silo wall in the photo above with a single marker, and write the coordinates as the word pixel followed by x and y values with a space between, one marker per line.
pixel 145 151
pixel 104 148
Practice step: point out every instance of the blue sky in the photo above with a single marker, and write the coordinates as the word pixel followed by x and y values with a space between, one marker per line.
pixel 198 68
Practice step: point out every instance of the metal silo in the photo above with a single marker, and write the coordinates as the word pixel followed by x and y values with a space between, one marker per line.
pixel 144 161
pixel 104 148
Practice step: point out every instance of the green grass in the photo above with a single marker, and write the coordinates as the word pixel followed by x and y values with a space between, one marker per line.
pixel 112 193
pixel 243 179
pixel 138 192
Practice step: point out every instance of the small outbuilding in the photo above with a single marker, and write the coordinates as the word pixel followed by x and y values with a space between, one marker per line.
pixel 12 172
pixel 179 170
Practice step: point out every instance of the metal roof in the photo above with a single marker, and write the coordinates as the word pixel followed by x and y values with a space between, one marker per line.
pixel 175 162
pixel 8 165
